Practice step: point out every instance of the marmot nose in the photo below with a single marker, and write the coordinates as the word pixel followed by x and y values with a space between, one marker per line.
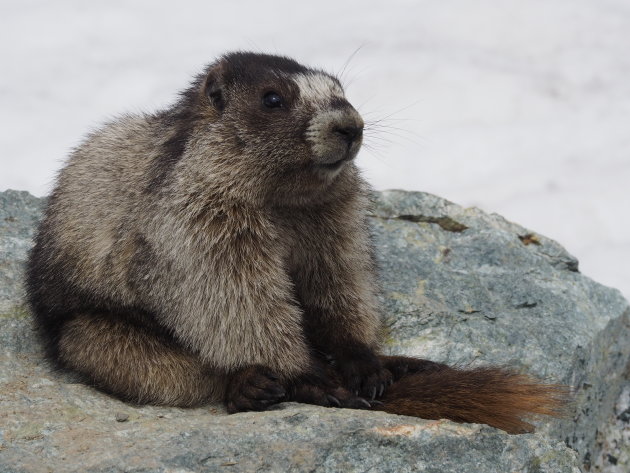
pixel 349 133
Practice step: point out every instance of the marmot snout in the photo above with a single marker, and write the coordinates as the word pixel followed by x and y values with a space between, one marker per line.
pixel 335 135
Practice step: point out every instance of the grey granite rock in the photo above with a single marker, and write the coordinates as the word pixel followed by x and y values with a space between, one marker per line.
pixel 614 438
pixel 19 211
pixel 499 293
pixel 459 286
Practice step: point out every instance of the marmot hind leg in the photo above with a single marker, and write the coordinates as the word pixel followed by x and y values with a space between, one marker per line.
pixel 136 364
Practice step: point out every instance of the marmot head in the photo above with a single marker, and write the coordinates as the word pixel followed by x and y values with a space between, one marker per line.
pixel 273 125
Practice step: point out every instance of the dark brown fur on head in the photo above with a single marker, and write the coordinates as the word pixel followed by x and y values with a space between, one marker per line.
pixel 288 154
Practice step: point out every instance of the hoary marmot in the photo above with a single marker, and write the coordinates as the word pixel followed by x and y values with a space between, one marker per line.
pixel 218 250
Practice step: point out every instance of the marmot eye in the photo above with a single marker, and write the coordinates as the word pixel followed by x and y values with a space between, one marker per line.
pixel 272 100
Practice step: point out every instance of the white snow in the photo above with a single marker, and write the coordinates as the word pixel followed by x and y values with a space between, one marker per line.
pixel 520 107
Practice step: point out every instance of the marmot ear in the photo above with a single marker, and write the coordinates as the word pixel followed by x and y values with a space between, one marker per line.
pixel 213 86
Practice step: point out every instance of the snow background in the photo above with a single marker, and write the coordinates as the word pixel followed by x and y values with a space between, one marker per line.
pixel 520 107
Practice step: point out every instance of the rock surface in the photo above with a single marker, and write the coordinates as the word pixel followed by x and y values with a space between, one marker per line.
pixel 459 286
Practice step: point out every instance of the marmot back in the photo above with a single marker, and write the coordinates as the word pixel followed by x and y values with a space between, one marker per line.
pixel 218 250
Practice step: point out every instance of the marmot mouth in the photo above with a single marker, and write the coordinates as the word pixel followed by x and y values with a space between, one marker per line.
pixel 334 165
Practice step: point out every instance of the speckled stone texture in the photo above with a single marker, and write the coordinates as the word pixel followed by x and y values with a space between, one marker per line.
pixel 459 286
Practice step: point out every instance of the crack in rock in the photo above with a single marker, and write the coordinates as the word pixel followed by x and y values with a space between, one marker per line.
pixel 446 223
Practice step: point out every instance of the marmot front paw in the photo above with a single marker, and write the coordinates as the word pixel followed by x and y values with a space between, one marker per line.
pixel 362 373
pixel 328 397
pixel 253 389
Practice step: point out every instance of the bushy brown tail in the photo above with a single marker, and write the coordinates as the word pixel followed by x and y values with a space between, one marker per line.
pixel 489 395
